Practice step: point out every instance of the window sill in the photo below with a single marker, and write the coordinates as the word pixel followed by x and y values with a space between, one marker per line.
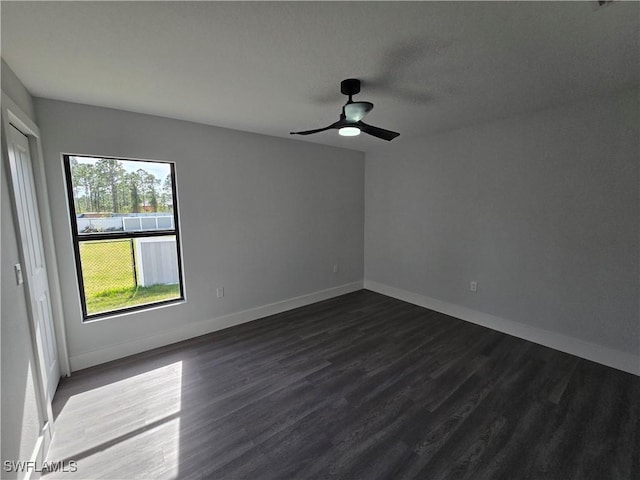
pixel 134 310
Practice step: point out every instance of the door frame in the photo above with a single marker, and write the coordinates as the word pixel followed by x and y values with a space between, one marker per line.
pixel 14 115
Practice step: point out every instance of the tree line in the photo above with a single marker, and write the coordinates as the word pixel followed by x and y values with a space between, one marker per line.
pixel 106 186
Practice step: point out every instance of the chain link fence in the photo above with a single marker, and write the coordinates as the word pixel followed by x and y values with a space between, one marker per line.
pixel 108 266
pixel 128 272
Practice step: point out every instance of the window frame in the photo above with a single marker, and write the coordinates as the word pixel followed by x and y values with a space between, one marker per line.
pixel 78 238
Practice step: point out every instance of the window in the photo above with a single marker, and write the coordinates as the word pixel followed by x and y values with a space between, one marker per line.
pixel 124 222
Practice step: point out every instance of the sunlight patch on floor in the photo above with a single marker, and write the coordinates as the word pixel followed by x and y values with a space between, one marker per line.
pixel 147 419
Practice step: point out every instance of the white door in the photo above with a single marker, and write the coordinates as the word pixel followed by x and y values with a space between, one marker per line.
pixel 34 270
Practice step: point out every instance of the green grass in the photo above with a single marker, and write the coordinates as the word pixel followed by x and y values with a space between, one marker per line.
pixel 109 283
pixel 129 297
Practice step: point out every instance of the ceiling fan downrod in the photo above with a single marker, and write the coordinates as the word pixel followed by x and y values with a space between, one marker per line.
pixel 350 87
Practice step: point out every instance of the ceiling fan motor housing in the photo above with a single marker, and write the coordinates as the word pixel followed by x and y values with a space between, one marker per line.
pixel 350 86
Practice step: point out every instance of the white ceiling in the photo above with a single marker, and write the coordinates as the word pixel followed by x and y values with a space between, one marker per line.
pixel 276 67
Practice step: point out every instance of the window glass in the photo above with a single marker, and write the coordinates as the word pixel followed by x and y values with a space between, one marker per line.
pixel 115 195
pixel 124 219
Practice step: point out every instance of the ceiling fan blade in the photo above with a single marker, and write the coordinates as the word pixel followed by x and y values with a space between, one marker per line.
pixel 387 135
pixel 355 111
pixel 309 132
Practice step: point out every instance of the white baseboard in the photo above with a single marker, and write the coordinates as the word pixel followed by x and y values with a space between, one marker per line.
pixel 37 457
pixel 113 352
pixel 624 361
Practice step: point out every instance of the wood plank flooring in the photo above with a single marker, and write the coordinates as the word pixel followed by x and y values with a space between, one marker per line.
pixel 357 387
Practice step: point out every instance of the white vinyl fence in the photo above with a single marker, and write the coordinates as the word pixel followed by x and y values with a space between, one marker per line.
pixel 125 224
pixel 156 261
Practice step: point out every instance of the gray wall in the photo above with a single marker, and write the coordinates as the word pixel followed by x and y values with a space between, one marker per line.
pixel 12 86
pixel 265 218
pixel 20 418
pixel 541 210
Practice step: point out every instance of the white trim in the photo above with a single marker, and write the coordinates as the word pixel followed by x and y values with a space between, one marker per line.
pixel 624 361
pixel 113 352
pixel 12 113
pixel 18 117
pixel 37 458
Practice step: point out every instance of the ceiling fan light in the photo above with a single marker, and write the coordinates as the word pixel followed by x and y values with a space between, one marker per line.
pixel 349 131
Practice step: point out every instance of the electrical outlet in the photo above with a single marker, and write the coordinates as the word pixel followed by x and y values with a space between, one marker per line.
pixel 335 268
pixel 473 286
pixel 220 292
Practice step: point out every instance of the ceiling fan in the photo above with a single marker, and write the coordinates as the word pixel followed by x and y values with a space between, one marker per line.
pixel 350 123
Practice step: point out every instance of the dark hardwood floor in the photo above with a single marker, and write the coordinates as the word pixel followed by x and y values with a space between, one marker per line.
pixel 357 387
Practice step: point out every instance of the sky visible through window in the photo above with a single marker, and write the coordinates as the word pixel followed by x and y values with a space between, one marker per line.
pixel 159 170
pixel 112 186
